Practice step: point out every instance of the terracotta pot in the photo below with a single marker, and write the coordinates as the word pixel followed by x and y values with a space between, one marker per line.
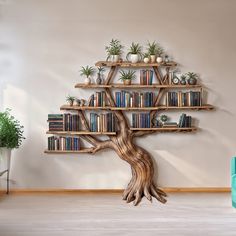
pixel 127 81
pixel 153 58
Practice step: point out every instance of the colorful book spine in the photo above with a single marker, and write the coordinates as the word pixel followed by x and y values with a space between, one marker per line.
pixel 141 120
pixel 64 143
pixel 102 122
pixel 146 77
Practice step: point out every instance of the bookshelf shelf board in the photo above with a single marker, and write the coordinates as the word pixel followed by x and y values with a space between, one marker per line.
pixel 71 108
pixel 85 150
pixel 164 129
pixel 77 133
pixel 203 107
pixel 137 86
pixel 137 65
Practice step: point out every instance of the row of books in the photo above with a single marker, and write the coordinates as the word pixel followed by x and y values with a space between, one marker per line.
pixel 181 99
pixel 98 99
pixel 64 143
pixel 64 122
pixel 134 99
pixel 185 121
pixel 146 77
pixel 141 120
pixel 102 122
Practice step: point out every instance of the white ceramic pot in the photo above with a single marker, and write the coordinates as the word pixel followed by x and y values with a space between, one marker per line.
pixel 153 58
pixel 5 159
pixel 146 60
pixel 134 58
pixel 159 59
pixel 115 58
pixel 87 80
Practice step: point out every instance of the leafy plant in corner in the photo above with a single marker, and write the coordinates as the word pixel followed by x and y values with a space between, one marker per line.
pixel 11 132
pixel 114 49
pixel 70 100
pixel 135 51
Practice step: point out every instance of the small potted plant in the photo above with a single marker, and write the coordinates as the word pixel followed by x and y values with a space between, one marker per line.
pixel 70 100
pixel 191 78
pixel 114 50
pixel 99 79
pixel 127 77
pixel 135 53
pixel 159 53
pixel 152 51
pixel 87 71
pixel 11 136
pixel 146 57
pixel 183 79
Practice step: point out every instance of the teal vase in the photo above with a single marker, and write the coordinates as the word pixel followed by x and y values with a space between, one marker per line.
pixel 233 181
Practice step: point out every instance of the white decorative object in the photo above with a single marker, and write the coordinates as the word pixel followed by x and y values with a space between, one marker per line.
pixel 115 58
pixel 153 58
pixel 146 60
pixel 159 59
pixel 87 80
pixel 134 58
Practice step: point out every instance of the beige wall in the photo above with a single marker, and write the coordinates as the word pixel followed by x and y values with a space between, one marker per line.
pixel 43 44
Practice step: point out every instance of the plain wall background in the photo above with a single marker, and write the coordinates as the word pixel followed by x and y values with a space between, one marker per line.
pixel 44 43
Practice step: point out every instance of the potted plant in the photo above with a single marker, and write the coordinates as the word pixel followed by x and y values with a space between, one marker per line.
pixel 183 79
pixel 191 78
pixel 70 100
pixel 127 77
pixel 114 50
pixel 135 53
pixel 87 71
pixel 99 74
pixel 152 51
pixel 159 51
pixel 146 57
pixel 11 136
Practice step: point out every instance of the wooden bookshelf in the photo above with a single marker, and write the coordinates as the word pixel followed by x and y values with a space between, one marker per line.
pixel 78 133
pixel 166 129
pixel 132 65
pixel 84 150
pixel 197 108
pixel 71 108
pixel 137 86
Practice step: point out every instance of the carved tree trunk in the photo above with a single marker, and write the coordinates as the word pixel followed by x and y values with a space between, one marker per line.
pixel 141 164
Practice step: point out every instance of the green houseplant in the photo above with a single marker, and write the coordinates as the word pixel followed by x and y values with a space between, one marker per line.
pixel 152 51
pixel 159 52
pixel 87 71
pixel 134 53
pixel 114 50
pixel 191 78
pixel 146 57
pixel 127 77
pixel 11 136
pixel 70 100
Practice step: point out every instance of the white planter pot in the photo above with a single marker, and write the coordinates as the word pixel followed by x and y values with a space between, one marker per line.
pixel 159 59
pixel 87 80
pixel 114 58
pixel 146 60
pixel 5 159
pixel 153 58
pixel 134 58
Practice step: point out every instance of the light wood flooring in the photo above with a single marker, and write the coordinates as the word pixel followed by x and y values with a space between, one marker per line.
pixel 107 215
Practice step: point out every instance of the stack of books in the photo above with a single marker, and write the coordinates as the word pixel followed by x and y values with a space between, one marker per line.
pixel 146 77
pixel 55 122
pixel 185 121
pixel 135 99
pixel 71 122
pixel 181 99
pixel 64 143
pixel 141 120
pixel 98 99
pixel 102 122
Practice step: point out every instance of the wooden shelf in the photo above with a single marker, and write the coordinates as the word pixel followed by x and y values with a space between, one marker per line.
pixel 85 150
pixel 203 107
pixel 137 86
pixel 77 133
pixel 138 65
pixel 161 129
pixel 68 107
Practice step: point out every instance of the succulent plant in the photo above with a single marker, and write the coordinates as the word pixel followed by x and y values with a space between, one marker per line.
pixel 135 48
pixel 114 48
pixel 129 75
pixel 87 71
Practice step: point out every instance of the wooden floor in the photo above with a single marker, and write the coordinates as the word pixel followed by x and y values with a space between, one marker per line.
pixel 107 215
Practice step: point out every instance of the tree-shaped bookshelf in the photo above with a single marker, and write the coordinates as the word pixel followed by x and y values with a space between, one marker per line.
pixel 123 140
